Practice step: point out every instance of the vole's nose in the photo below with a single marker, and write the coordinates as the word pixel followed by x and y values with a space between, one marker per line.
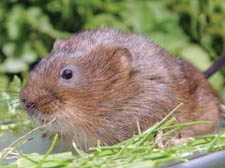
pixel 30 105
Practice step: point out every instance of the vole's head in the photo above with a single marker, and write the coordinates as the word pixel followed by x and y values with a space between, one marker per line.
pixel 84 88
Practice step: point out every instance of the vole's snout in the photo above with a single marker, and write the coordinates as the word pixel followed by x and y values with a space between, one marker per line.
pixel 29 106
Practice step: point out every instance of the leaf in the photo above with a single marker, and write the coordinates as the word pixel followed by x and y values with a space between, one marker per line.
pixel 14 22
pixel 13 65
pixel 200 58
pixel 28 54
pixel 9 49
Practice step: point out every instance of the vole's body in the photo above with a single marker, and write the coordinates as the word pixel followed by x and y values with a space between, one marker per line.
pixel 119 78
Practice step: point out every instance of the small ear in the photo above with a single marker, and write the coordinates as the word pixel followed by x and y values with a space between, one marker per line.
pixel 58 43
pixel 123 55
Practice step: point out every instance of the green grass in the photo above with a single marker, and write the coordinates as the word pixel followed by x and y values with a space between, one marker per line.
pixel 150 148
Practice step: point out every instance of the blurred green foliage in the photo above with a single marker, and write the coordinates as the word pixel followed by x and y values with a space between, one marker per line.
pixel 192 29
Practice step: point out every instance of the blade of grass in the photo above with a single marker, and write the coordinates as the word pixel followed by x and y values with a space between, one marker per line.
pixel 213 143
pixel 48 152
pixel 78 151
pixel 170 113
pixel 26 157
pixel 187 124
pixel 138 127
pixel 171 121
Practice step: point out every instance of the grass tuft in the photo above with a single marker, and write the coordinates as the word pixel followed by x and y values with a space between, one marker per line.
pixel 150 148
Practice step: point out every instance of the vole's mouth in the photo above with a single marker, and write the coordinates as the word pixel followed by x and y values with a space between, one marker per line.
pixel 31 112
pixel 35 114
pixel 42 121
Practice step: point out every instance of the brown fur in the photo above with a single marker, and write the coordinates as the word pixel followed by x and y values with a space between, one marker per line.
pixel 122 78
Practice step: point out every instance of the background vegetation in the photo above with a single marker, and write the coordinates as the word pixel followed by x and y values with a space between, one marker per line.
pixel 184 27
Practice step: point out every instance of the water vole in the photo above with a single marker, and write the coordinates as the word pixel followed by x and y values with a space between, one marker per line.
pixel 98 83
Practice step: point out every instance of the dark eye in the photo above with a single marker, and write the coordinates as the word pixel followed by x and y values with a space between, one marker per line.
pixel 67 74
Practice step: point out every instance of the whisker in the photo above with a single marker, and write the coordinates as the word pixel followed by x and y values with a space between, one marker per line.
pixel 85 132
pixel 82 139
pixel 65 114
pixel 21 111
pixel 9 91
pixel 7 103
pixel 45 97
pixel 10 104
pixel 5 107
pixel 14 103
pixel 75 135
pixel 11 97
pixel 42 101
pixel 61 139
pixel 22 137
